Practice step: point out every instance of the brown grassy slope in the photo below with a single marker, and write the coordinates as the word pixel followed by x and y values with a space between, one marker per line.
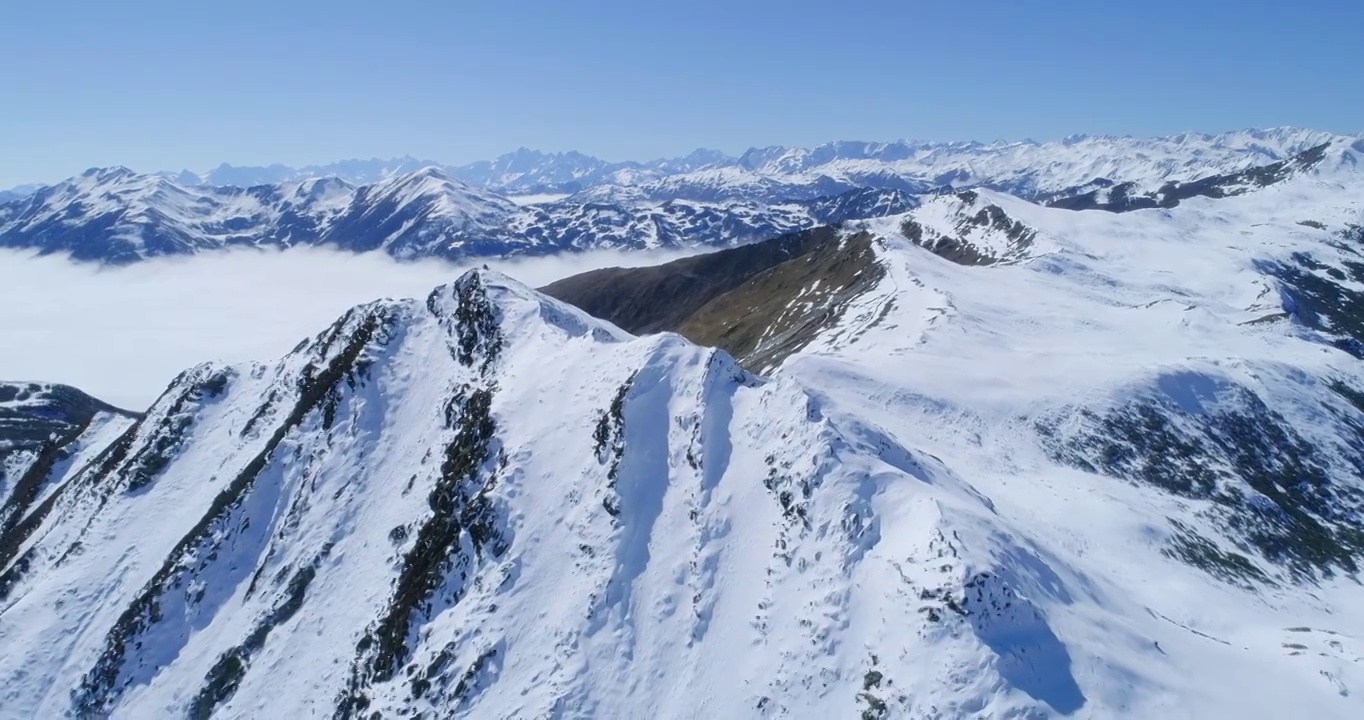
pixel 758 302
pixel 653 299
pixel 780 310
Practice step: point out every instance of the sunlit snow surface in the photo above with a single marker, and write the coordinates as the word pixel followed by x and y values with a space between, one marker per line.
pixel 871 529
pixel 1117 304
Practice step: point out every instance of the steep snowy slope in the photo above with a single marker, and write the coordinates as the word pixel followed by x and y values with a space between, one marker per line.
pixel 423 213
pixel 1150 390
pixel 47 432
pixel 1117 472
pixel 972 227
pixel 1167 401
pixel 410 512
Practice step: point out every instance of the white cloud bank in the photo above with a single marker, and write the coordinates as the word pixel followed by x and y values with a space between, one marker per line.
pixel 121 334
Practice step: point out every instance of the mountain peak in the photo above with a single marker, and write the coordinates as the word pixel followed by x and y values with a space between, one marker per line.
pixel 487 298
pixel 429 180
pixel 434 172
pixel 113 173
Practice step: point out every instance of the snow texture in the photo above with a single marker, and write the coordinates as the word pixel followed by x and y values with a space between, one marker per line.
pixel 484 502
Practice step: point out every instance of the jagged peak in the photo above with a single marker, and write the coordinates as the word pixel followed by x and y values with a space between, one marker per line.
pixel 968 227
pixel 516 306
pixel 434 172
pixel 430 179
pixel 315 187
pixel 480 313
pixel 112 173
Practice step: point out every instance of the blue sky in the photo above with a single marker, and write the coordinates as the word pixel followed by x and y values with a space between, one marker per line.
pixel 167 85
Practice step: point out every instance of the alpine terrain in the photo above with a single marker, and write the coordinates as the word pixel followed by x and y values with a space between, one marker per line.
pixel 533 203
pixel 1079 449
pixel 116 216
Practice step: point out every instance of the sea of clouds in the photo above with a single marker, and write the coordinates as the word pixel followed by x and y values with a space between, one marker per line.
pixel 122 333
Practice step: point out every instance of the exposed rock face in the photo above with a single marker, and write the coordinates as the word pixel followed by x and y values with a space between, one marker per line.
pixel 1276 494
pixel 967 230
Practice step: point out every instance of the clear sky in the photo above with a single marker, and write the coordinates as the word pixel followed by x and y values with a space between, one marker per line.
pixel 166 85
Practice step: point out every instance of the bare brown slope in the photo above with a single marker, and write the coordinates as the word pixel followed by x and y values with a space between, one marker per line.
pixel 653 299
pixel 780 310
pixel 759 302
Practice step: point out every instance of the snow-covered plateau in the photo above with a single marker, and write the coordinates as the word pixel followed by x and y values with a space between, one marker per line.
pixel 981 458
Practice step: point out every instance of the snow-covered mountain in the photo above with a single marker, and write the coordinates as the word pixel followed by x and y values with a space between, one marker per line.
pixel 1023 168
pixel 355 172
pixel 47 433
pixel 1115 470
pixel 523 171
pixel 530 202
pixel 117 216
pixel 18 192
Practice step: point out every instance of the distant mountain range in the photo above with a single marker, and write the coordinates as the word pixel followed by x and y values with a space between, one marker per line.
pixel 1021 167
pixel 115 215
pixel 529 202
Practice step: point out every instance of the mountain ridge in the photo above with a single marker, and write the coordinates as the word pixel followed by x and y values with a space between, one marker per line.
pixel 534 171
pixel 116 216
pixel 488 502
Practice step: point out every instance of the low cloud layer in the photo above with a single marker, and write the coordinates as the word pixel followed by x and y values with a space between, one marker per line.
pixel 121 334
